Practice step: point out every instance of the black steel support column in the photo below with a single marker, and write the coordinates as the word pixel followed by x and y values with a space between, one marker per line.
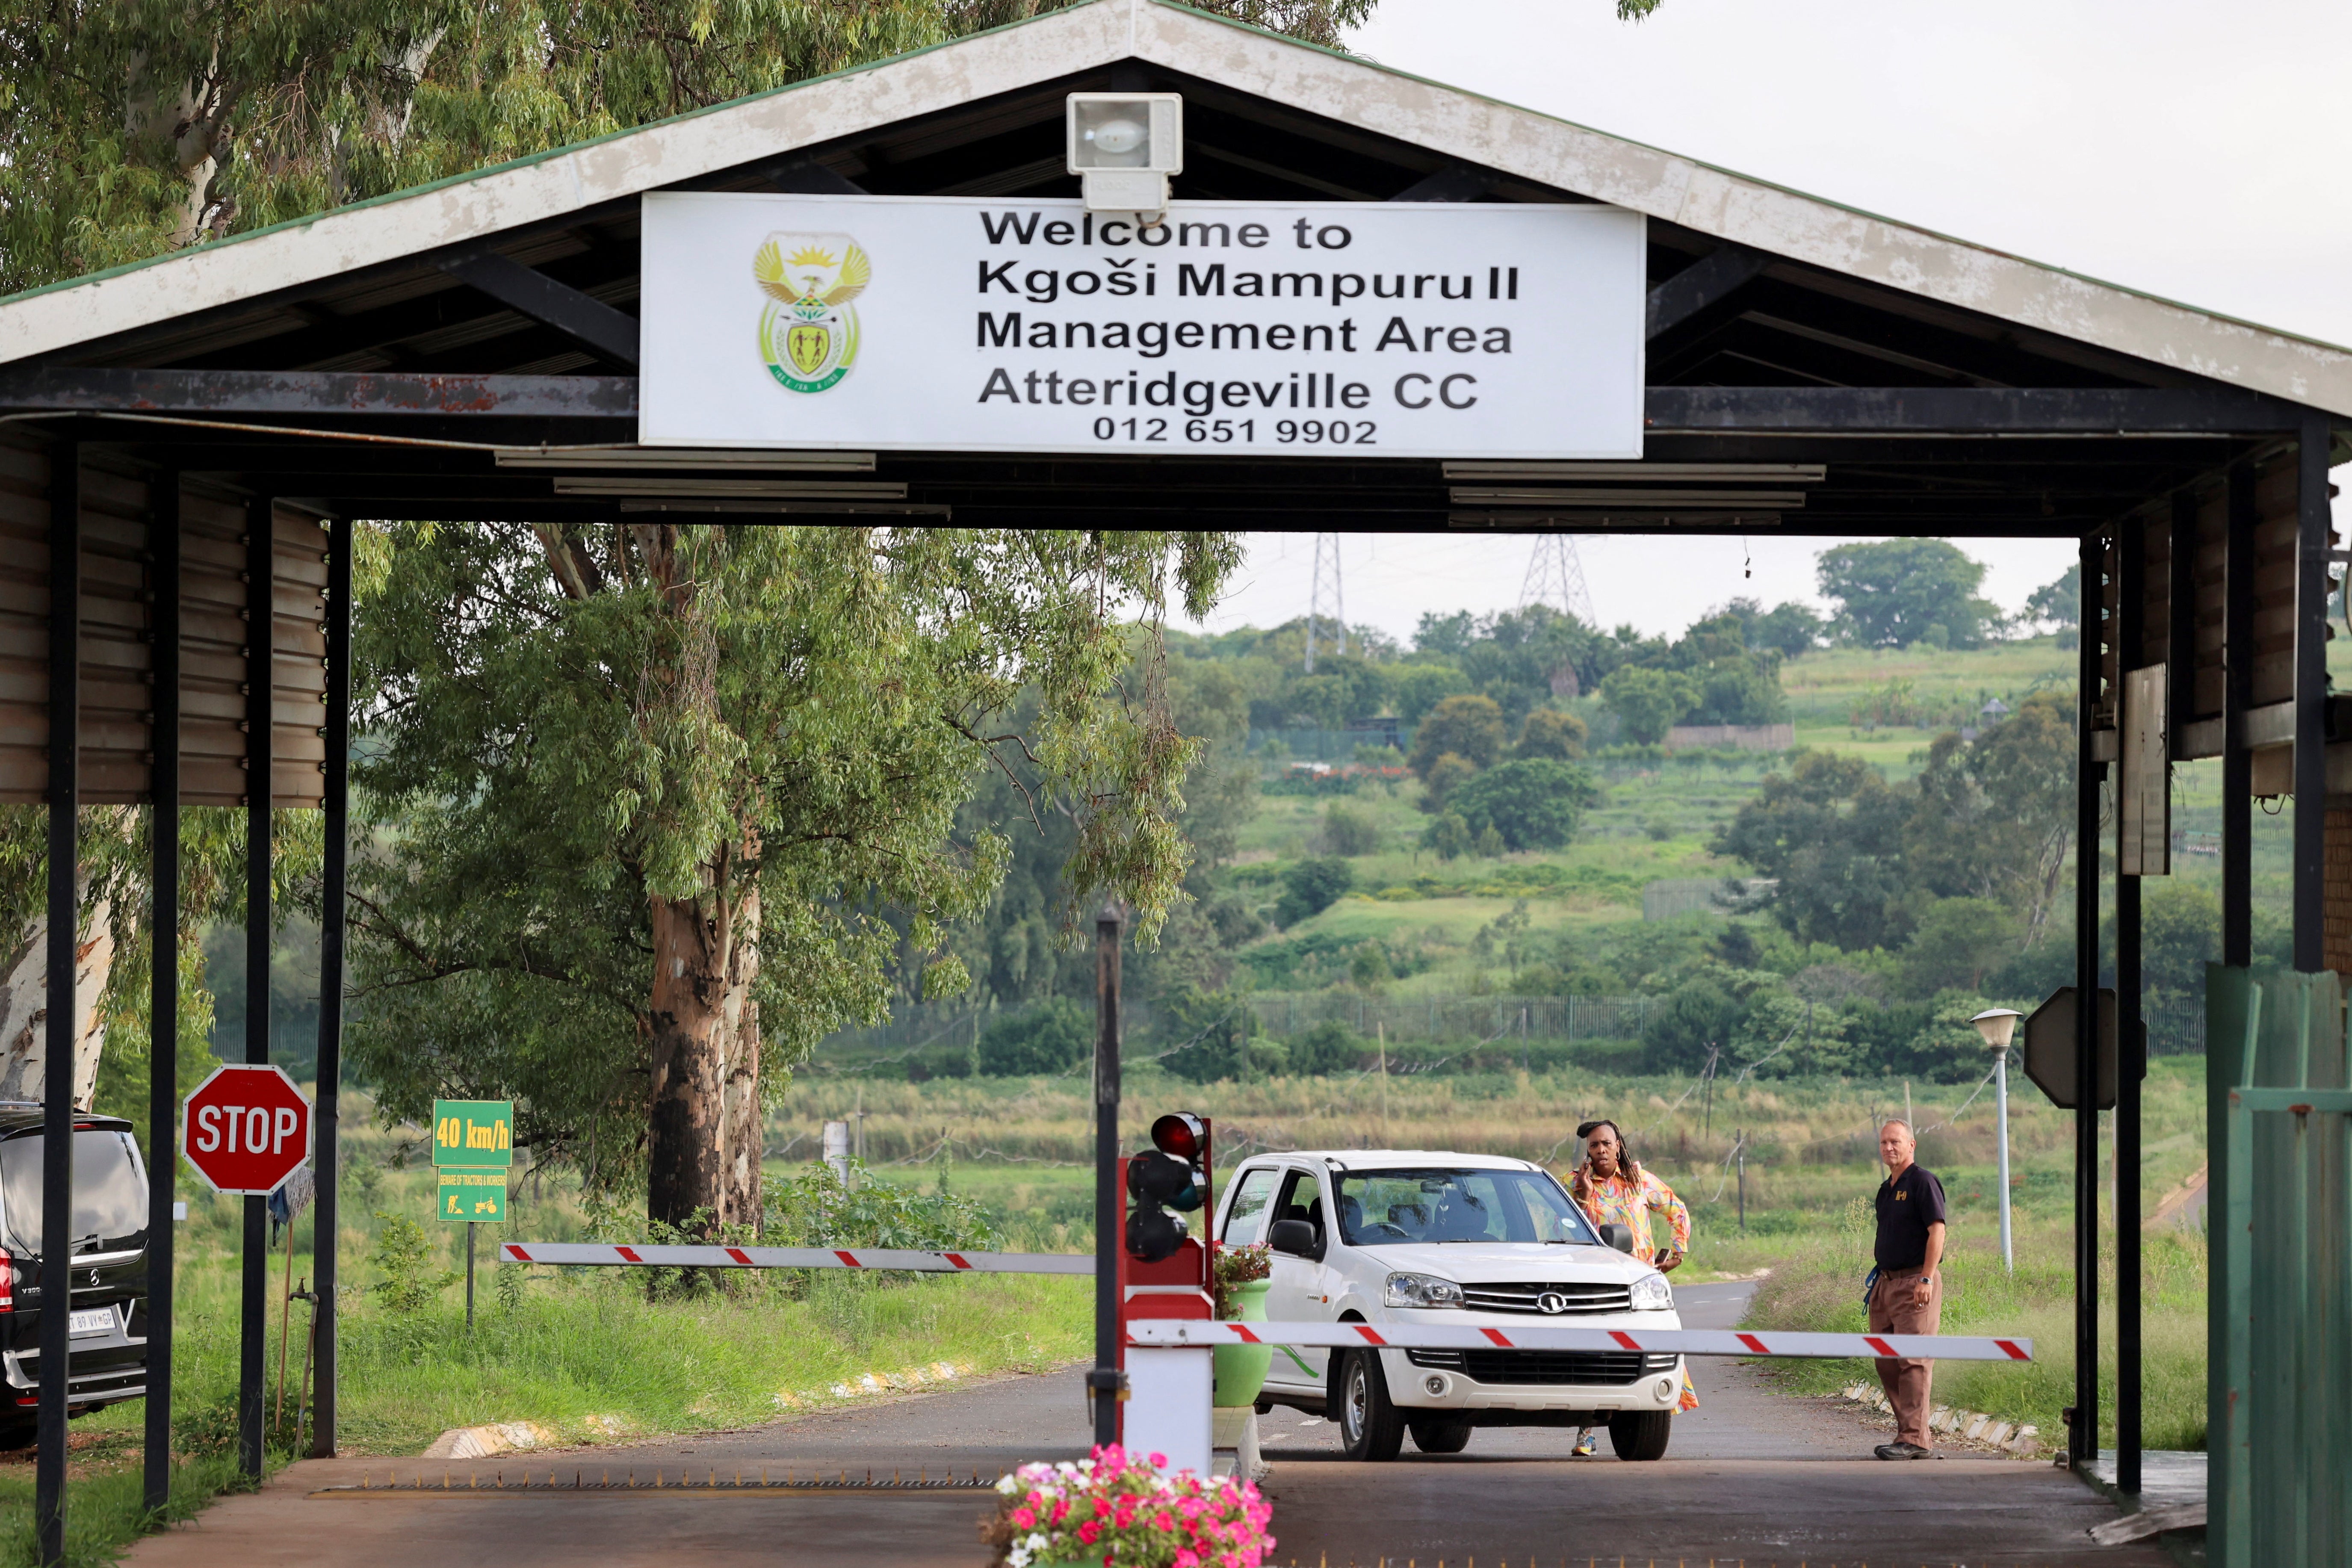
pixel 2236 762
pixel 260 569
pixel 1108 1216
pixel 163 997
pixel 2131 629
pixel 2310 696
pixel 2180 623
pixel 326 1220
pixel 58 1060
pixel 2082 1439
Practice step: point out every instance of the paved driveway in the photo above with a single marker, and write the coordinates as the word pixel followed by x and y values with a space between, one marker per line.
pixel 1753 1477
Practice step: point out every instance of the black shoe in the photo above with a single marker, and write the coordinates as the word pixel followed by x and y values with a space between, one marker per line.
pixel 1891 1451
pixel 1910 1451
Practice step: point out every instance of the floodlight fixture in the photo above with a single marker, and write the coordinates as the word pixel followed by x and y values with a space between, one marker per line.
pixel 1123 146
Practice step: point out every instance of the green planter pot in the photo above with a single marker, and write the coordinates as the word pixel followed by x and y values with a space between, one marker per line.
pixel 1241 1369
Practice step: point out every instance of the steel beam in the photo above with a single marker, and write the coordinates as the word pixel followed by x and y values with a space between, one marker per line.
pixel 1104 1382
pixel 64 923
pixel 2310 857
pixel 2049 411
pixel 164 979
pixel 2082 1439
pixel 326 1217
pixel 305 394
pixel 1670 410
pixel 1459 184
pixel 612 333
pixel 2180 624
pixel 1707 281
pixel 261 570
pixel 808 176
pixel 2237 701
pixel 2131 627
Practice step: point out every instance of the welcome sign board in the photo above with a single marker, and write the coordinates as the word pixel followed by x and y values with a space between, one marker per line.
pixel 1399 330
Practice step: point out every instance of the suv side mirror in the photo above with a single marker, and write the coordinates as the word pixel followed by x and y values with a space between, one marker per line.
pixel 1620 1236
pixel 1293 1236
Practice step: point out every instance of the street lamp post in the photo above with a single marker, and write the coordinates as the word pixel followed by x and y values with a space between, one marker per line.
pixel 1998 1025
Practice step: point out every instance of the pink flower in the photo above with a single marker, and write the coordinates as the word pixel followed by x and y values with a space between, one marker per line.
pixel 1026 1517
pixel 1088 1530
pixel 1158 1461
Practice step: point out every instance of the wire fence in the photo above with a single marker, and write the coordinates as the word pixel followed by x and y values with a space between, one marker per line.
pixel 2175 1028
pixel 1442 1019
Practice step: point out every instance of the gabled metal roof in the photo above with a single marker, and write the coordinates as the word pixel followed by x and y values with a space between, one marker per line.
pixel 931 109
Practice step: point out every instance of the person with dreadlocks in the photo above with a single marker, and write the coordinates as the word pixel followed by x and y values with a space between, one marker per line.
pixel 1613 1188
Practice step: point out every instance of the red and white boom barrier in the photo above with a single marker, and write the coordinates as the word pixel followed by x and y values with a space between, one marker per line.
pixel 1173 1332
pixel 576 1254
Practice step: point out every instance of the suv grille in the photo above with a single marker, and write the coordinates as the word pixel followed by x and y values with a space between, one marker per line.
pixel 1522 1297
pixel 1599 1368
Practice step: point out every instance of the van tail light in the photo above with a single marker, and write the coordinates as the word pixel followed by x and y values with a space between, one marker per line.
pixel 8 1283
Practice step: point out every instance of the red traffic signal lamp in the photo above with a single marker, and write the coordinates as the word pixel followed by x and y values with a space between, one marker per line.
pixel 1164 1182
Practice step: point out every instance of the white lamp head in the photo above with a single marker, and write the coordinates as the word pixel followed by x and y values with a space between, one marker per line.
pixel 1998 1025
pixel 1123 146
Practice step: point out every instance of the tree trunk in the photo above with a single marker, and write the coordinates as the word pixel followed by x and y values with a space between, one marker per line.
pixel 743 1136
pixel 690 1015
pixel 24 1011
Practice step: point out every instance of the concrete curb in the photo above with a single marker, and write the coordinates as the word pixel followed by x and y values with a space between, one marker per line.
pixel 1965 1426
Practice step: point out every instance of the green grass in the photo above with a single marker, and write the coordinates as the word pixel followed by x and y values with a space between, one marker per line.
pixel 580 1351
pixel 1816 1285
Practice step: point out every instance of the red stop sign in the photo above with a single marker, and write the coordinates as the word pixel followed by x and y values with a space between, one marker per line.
pixel 245 1129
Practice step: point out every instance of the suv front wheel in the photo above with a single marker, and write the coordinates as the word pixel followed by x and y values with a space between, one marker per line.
pixel 1641 1434
pixel 1370 1426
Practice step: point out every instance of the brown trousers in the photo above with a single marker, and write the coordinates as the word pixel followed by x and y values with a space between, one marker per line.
pixel 1895 1309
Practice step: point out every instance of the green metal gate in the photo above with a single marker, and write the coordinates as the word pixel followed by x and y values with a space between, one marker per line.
pixel 2280 1477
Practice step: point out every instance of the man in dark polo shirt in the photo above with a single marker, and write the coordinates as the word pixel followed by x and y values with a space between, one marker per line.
pixel 1908 1297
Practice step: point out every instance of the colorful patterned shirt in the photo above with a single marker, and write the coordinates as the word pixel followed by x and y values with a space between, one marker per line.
pixel 1617 1201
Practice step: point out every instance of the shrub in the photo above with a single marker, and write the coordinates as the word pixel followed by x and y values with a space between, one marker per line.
pixel 1347 833
pixel 1551 733
pixel 1311 887
pixel 1534 803
pixel 1328 1048
pixel 408 1285
pixel 1449 835
pixel 1647 700
pixel 1050 1037
pixel 1471 728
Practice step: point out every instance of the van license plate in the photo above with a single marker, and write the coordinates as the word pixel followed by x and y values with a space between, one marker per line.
pixel 93 1320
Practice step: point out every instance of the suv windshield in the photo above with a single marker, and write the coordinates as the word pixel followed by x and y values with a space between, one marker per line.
pixel 110 1198
pixel 1388 1208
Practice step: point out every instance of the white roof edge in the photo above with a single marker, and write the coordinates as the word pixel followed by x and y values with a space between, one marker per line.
pixel 1449 120
pixel 1751 212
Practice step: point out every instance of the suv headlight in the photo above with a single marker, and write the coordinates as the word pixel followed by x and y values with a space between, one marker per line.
pixel 1422 1290
pixel 1652 1294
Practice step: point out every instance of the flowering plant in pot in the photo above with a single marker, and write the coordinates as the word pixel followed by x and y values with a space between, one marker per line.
pixel 1240 1276
pixel 1116 1509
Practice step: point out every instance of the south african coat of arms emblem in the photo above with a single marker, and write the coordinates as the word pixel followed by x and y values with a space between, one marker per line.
pixel 808 328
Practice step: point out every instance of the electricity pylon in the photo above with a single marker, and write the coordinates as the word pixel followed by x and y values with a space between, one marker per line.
pixel 1556 577
pixel 1324 600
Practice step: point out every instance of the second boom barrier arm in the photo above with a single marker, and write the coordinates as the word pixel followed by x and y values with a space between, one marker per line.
pixel 1177 1333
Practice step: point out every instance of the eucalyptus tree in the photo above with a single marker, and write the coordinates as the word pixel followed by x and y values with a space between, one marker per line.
pixel 656 807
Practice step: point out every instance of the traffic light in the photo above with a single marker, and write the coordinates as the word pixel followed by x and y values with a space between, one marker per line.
pixel 1167 1176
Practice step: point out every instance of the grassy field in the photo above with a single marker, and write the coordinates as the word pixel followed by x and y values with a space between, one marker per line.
pixel 582 1351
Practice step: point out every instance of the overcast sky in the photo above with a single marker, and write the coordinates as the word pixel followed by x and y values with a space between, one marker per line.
pixel 2183 147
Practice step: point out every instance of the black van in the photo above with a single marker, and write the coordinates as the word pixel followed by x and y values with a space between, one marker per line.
pixel 109 1280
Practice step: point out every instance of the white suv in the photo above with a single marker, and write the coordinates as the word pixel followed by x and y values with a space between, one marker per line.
pixel 1408 1235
